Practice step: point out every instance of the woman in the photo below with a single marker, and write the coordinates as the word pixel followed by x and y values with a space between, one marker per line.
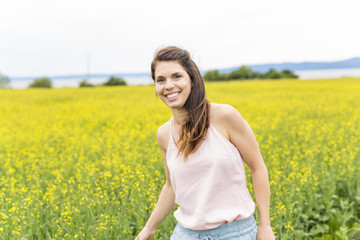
pixel 204 145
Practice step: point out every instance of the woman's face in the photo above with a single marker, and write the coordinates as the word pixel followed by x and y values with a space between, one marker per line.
pixel 172 83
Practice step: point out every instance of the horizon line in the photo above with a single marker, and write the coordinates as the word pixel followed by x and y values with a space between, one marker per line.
pixel 144 74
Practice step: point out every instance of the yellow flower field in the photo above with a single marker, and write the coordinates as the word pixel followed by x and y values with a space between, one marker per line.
pixel 84 163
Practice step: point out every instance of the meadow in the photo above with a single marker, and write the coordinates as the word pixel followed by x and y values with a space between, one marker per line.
pixel 84 163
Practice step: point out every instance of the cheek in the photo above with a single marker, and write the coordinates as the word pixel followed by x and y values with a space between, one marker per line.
pixel 158 89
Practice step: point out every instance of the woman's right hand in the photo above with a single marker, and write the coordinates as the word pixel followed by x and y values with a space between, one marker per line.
pixel 146 234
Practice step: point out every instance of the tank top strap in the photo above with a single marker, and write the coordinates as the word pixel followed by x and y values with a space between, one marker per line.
pixel 171 126
pixel 170 135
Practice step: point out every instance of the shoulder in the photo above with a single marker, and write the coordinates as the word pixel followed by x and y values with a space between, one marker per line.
pixel 163 135
pixel 226 119
pixel 224 113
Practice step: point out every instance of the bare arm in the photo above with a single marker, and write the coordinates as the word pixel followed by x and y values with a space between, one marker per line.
pixel 242 136
pixel 166 201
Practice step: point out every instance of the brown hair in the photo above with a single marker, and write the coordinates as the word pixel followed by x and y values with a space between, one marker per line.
pixel 194 130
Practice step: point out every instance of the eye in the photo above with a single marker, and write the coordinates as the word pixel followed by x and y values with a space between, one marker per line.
pixel 160 80
pixel 177 76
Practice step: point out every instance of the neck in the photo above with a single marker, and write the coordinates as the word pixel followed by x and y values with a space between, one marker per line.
pixel 179 116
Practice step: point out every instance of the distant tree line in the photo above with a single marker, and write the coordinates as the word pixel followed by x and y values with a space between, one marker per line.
pixel 4 81
pixel 46 83
pixel 41 83
pixel 113 81
pixel 245 72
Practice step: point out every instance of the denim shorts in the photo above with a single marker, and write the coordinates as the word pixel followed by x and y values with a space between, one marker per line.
pixel 245 229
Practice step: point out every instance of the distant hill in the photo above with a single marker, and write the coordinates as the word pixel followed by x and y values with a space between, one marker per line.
pixel 350 63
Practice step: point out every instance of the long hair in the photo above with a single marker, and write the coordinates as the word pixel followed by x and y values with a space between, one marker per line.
pixel 197 122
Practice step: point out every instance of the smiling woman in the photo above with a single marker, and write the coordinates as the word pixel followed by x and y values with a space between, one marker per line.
pixel 204 146
pixel 180 86
pixel 172 88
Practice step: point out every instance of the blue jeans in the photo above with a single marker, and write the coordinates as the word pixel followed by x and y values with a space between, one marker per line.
pixel 245 229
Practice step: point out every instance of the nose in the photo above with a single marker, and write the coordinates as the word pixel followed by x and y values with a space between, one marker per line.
pixel 169 84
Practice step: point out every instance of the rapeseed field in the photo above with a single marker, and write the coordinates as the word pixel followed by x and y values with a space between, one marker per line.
pixel 84 163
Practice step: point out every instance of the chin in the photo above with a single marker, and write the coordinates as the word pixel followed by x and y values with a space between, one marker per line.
pixel 178 107
pixel 174 105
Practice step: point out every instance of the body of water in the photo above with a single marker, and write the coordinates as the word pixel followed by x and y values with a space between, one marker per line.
pixel 328 73
pixel 74 82
pixel 146 80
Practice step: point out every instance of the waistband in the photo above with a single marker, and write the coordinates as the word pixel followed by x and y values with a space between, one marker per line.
pixel 238 226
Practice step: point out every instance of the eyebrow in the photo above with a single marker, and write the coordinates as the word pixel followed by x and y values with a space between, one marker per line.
pixel 175 73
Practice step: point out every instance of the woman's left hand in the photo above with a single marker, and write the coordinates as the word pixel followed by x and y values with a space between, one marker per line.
pixel 265 232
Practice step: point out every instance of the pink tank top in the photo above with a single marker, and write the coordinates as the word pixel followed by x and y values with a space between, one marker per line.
pixel 210 188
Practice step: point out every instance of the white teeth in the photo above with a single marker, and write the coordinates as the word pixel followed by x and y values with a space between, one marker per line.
pixel 172 95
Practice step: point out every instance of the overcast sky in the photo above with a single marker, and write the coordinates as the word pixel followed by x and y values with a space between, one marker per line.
pixel 53 37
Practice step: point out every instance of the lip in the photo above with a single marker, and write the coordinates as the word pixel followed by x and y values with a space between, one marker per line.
pixel 172 97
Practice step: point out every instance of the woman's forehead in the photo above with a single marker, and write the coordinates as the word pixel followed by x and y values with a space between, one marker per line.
pixel 167 68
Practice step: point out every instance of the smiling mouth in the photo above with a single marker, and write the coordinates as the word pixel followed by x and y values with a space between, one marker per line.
pixel 172 95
